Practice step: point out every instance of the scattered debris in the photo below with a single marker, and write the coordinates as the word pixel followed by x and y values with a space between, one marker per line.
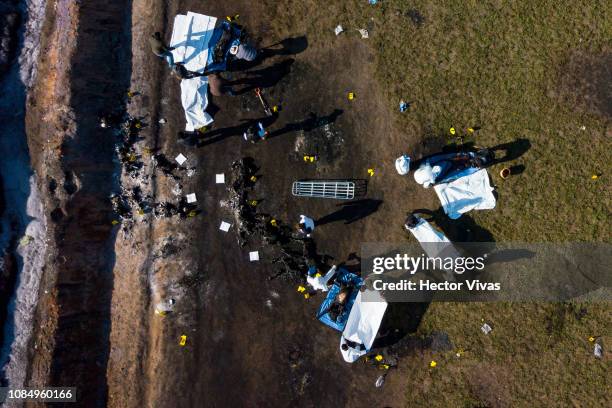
pixel 26 240
pixel 403 106
pixel 380 381
pixel 191 198
pixel 402 164
pixel 371 172
pixel 432 364
pixel 164 307
pixel 254 256
pixel 486 329
pixel 220 178
pixel 225 226
pixel 598 351
pixel 162 121
pixel 180 159
pixel 338 29
pixel 364 33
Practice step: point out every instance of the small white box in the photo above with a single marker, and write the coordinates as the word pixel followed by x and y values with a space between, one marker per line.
pixel 180 159
pixel 225 226
pixel 191 198
pixel 338 29
pixel 254 256
pixel 220 178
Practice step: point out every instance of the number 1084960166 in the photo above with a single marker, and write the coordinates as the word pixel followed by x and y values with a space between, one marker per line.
pixel 47 394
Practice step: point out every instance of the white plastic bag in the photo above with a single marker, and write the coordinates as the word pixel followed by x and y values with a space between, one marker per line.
pixel 402 164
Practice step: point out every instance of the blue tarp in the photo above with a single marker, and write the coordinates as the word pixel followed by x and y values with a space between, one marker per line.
pixel 345 278
pixel 446 160
pixel 457 174
pixel 235 40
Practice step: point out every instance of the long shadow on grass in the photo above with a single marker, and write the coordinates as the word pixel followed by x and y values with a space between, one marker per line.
pixel 463 229
pixel 288 46
pixel 401 320
pixel 511 150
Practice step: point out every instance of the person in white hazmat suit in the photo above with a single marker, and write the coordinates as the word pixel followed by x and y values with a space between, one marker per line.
pixel 321 282
pixel 306 225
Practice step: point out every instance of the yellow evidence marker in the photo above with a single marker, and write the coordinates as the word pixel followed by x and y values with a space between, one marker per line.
pixel 183 340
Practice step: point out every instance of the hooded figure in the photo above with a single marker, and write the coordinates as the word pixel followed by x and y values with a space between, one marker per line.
pixel 244 51
pixel 424 175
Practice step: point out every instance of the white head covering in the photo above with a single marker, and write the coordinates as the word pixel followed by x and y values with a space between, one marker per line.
pixel 424 175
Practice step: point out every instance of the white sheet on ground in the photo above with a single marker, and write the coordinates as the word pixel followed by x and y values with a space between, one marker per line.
pixel 473 192
pixel 424 232
pixel 194 97
pixel 363 324
pixel 434 243
pixel 191 36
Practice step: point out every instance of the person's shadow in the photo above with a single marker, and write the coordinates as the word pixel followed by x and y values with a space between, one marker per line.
pixel 195 139
pixel 513 150
pixel 262 78
pixel 463 229
pixel 289 46
pixel 309 124
pixel 351 211
pixel 401 319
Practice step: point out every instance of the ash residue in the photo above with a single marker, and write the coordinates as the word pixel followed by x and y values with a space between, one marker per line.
pixel 291 253
pixel 132 203
pixel 318 136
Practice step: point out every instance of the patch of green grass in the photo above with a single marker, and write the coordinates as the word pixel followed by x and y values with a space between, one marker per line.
pixel 497 65
pixel 500 65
